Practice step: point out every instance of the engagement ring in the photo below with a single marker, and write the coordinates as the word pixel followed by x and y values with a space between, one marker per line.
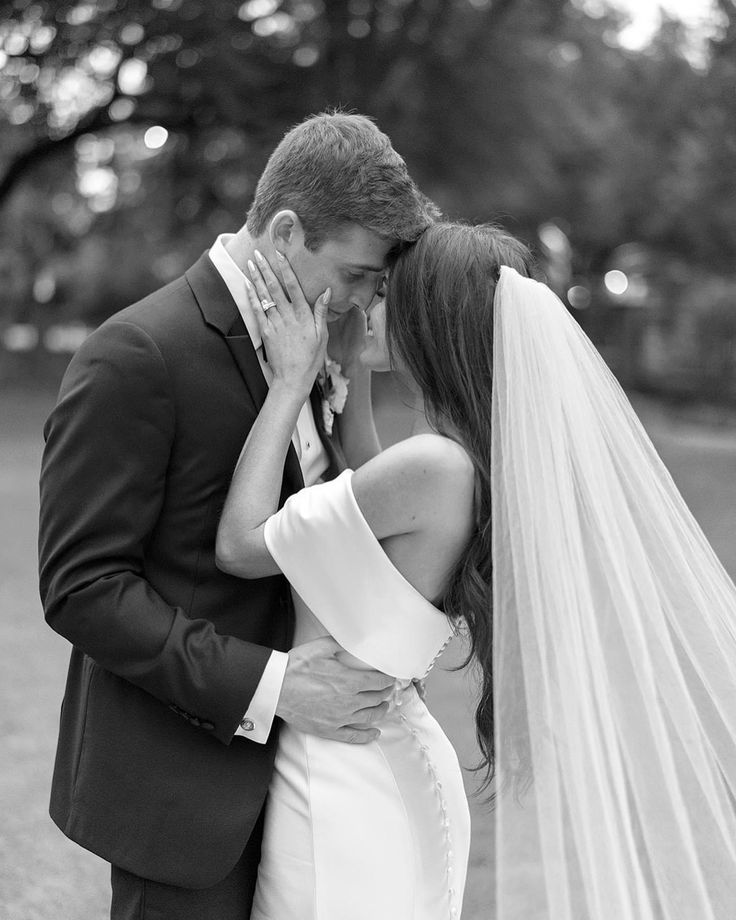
pixel 267 304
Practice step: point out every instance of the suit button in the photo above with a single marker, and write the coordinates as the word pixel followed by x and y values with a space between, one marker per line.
pixel 247 725
pixel 207 726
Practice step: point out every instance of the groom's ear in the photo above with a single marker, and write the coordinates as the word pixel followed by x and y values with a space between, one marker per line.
pixel 286 232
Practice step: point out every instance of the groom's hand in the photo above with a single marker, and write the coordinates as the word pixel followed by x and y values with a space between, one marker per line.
pixel 323 695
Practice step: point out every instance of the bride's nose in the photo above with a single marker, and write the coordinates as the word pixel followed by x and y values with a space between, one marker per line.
pixel 378 298
pixel 379 294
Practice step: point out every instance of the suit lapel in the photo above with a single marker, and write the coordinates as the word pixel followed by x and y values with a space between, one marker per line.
pixel 220 311
pixel 244 355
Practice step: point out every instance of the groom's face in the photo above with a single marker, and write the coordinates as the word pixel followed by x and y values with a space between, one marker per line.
pixel 351 262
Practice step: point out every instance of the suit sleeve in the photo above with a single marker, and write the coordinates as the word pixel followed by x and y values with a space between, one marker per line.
pixel 103 479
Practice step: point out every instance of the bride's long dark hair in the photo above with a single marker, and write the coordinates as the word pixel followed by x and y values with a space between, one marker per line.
pixel 439 326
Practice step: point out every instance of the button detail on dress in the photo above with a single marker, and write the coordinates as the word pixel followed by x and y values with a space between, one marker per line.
pixel 424 752
pixel 247 725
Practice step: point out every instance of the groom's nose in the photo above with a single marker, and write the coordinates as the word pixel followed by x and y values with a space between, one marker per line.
pixel 377 298
pixel 368 293
pixel 379 294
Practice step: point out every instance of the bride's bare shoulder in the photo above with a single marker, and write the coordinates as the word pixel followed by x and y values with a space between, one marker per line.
pixel 439 453
pixel 415 483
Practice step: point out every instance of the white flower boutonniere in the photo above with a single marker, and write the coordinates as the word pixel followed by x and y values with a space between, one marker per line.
pixel 334 388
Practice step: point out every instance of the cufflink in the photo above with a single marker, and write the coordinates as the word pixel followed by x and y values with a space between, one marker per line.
pixel 247 725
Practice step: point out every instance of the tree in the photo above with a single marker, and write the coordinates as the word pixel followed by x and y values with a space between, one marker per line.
pixel 76 68
pixel 525 111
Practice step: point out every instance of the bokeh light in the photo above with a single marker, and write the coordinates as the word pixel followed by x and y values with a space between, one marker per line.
pixel 616 282
pixel 41 38
pixel 132 77
pixel 120 109
pixel 100 187
pixel 306 56
pixel 132 33
pixel 273 25
pixel 21 113
pixel 578 297
pixel 65 338
pixel 256 9
pixel 553 238
pixel 44 287
pixel 359 28
pixel 81 13
pixel 188 57
pixel 103 59
pixel 155 137
pixel 20 337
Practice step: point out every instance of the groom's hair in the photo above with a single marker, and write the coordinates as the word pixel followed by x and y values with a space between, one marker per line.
pixel 333 169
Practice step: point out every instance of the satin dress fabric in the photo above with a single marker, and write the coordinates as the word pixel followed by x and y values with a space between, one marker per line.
pixel 361 832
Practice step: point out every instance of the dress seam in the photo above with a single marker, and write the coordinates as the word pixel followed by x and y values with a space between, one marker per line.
pixel 305 742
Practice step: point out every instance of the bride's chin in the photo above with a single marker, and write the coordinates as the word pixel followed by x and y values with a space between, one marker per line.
pixel 372 360
pixel 365 361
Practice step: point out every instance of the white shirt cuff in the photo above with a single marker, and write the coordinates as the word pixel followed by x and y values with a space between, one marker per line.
pixel 256 723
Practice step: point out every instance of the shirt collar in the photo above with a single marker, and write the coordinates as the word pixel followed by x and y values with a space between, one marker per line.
pixel 234 278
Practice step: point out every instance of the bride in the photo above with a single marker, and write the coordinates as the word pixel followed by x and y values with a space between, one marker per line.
pixel 539 517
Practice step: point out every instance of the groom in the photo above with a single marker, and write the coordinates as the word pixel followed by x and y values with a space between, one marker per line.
pixel 177 670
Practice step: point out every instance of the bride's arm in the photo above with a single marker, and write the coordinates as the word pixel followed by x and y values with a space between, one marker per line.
pixel 294 340
pixel 410 487
pixel 356 426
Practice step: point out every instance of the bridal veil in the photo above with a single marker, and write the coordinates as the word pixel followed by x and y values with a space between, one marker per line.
pixel 615 647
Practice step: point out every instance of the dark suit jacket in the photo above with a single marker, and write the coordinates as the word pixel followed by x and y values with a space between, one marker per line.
pixel 168 651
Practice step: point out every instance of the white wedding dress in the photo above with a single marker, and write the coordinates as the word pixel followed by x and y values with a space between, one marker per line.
pixel 361 832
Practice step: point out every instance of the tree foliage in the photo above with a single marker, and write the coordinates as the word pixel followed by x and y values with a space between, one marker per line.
pixel 526 111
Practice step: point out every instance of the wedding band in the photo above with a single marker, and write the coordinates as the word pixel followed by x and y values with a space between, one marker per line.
pixel 267 304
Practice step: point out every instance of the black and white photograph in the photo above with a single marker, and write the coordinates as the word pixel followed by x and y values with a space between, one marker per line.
pixel 368 459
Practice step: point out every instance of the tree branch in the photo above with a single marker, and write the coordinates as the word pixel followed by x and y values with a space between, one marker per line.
pixel 96 120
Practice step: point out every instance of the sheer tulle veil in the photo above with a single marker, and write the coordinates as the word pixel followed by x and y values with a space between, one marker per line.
pixel 615 647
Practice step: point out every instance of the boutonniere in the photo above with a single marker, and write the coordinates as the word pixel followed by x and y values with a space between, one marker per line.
pixel 333 386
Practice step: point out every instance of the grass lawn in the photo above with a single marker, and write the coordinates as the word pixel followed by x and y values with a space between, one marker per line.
pixel 45 877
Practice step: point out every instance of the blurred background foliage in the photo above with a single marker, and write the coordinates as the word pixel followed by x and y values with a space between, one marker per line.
pixel 131 133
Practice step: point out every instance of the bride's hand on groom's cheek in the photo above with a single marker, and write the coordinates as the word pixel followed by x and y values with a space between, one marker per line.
pixel 322 695
pixel 294 337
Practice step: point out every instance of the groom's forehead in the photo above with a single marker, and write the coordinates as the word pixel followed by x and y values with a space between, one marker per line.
pixel 357 248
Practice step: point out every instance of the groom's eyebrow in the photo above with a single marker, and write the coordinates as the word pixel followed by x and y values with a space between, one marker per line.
pixel 367 268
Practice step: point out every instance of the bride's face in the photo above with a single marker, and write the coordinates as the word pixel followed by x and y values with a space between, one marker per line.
pixel 375 352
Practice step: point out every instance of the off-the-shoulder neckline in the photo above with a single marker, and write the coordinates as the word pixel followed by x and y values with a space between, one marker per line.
pixel 349 479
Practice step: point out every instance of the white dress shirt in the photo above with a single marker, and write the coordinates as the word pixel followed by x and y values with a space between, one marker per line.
pixel 313 459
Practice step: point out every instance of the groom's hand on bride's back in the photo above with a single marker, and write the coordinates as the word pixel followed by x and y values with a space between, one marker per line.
pixel 323 695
